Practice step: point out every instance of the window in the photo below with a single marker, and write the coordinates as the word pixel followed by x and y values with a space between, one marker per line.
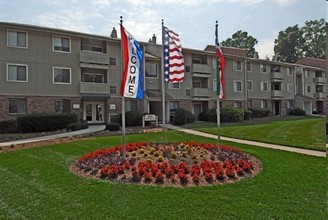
pixel 237 65
pixel 174 106
pixel 17 39
pixel 131 106
pixel 93 48
pixel 61 75
pixel 275 69
pixel 17 72
pixel 93 78
pixel 264 86
pixel 264 104
pixel 307 73
pixel 249 103
pixel 17 106
pixel 62 44
pixel 263 68
pixel 112 90
pixel 63 106
pixel 187 69
pixel 237 87
pixel 289 71
pixel 319 89
pixel 290 87
pixel 112 61
pixel 151 69
pixel 250 85
pixel 308 88
pixel 248 67
pixel 174 85
pixel 196 84
pixel 237 105
pixel 319 73
pixel 187 92
pixel 290 104
pixel 214 85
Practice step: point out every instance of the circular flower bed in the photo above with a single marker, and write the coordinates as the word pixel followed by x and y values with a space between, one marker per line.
pixel 172 164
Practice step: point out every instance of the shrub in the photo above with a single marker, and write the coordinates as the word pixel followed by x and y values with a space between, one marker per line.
pixel 203 116
pixel 231 115
pixel 9 126
pixel 247 114
pixel 132 118
pixel 113 126
pixel 211 115
pixel 297 112
pixel 77 126
pixel 45 122
pixel 259 112
pixel 183 116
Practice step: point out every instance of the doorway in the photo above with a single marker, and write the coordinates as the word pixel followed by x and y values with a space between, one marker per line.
pixel 276 108
pixel 93 112
pixel 197 110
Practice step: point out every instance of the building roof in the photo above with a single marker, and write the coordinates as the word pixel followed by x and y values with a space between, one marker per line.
pixel 315 62
pixel 228 51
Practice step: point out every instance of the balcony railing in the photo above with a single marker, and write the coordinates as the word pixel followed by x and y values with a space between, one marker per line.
pixel 319 95
pixel 96 58
pixel 200 93
pixel 277 94
pixel 94 88
pixel 277 76
pixel 201 70
pixel 320 80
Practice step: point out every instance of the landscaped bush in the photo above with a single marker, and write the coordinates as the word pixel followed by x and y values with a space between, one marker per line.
pixel 45 122
pixel 231 115
pixel 113 126
pixel 77 126
pixel 247 114
pixel 297 112
pixel 183 116
pixel 9 126
pixel 226 115
pixel 203 116
pixel 259 112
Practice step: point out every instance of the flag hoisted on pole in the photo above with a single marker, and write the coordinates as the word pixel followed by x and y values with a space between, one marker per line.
pixel 132 77
pixel 172 63
pixel 220 63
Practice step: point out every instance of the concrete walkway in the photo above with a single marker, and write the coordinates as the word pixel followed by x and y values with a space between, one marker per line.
pixel 254 143
pixel 91 129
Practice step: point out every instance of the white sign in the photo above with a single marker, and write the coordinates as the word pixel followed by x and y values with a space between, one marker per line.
pixel 76 106
pixel 150 117
pixel 112 106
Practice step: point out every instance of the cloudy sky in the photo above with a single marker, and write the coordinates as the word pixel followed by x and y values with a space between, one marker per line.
pixel 194 20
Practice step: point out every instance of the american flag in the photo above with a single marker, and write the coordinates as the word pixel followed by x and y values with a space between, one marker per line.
pixel 220 69
pixel 173 58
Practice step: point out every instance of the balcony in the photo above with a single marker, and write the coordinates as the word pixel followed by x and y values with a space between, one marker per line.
pixel 201 70
pixel 94 88
pixel 200 93
pixel 94 59
pixel 276 76
pixel 277 94
pixel 320 80
pixel 320 95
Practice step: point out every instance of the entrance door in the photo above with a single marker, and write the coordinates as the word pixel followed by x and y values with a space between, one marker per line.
pixel 93 112
pixel 197 110
pixel 276 108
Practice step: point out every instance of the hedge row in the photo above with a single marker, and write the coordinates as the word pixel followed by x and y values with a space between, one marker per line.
pixel 226 115
pixel 297 112
pixel 182 117
pixel 45 122
pixel 9 126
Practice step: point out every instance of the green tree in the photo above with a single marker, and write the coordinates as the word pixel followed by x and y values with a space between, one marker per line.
pixel 296 42
pixel 315 39
pixel 288 46
pixel 241 39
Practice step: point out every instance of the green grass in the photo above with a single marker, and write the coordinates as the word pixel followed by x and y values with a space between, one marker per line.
pixel 308 132
pixel 37 184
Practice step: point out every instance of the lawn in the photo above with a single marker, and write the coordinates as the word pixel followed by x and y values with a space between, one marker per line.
pixel 37 184
pixel 304 132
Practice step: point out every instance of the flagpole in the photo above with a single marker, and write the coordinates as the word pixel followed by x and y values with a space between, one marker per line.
pixel 123 98
pixel 218 88
pixel 163 86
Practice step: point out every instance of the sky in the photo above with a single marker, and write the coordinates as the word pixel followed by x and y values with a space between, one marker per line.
pixel 193 20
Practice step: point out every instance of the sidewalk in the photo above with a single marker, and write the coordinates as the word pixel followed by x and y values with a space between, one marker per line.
pixel 91 129
pixel 254 143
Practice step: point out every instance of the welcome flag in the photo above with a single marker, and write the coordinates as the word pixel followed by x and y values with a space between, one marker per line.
pixel 173 58
pixel 132 80
pixel 220 67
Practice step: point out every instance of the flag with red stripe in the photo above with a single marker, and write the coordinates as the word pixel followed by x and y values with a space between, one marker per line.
pixel 173 58
pixel 220 67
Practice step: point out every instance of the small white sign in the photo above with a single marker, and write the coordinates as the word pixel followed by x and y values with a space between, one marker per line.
pixel 112 106
pixel 76 106
pixel 150 117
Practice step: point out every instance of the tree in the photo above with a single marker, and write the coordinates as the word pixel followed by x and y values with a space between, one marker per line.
pixel 294 42
pixel 288 46
pixel 315 39
pixel 241 39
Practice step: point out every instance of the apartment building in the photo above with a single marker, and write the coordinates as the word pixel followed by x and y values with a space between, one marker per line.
pixel 50 70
